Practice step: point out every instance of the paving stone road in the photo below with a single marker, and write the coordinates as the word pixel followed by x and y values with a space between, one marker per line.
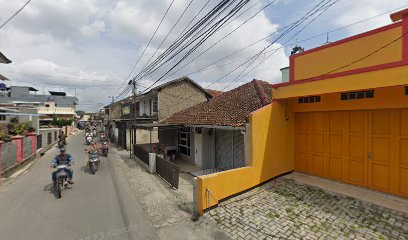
pixel 285 209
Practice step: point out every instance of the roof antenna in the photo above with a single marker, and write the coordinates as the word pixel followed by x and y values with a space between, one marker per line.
pixel 327 39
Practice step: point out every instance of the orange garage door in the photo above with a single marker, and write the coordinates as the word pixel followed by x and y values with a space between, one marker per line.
pixel 364 148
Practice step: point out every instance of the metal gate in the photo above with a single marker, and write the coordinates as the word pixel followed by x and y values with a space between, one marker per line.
pixel 168 171
pixel 39 141
pixel 141 153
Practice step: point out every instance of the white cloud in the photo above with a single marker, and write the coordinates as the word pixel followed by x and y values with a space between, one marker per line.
pixel 93 29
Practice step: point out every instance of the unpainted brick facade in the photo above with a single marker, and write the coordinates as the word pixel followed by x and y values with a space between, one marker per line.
pixel 177 97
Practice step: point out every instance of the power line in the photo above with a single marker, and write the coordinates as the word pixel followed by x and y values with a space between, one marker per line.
pixel 206 68
pixel 297 33
pixel 164 39
pixel 15 14
pixel 150 40
pixel 225 36
pixel 293 26
pixel 203 37
pixel 180 42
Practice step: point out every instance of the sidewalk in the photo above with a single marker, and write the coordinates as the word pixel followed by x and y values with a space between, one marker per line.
pixel 168 210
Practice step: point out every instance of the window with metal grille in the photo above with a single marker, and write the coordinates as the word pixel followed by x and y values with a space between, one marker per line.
pixel 357 95
pixel 310 99
pixel 2 117
pixel 184 141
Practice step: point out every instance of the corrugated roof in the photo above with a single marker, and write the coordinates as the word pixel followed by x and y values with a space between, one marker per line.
pixel 229 109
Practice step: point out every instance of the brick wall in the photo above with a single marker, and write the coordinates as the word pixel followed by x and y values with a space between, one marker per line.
pixel 8 154
pixel 177 97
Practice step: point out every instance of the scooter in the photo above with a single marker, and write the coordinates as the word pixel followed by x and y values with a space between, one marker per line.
pixel 62 179
pixel 61 144
pixel 88 140
pixel 93 162
pixel 105 149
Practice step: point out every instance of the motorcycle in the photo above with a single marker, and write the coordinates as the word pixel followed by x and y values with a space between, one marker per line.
pixel 105 149
pixel 61 144
pixel 88 140
pixel 62 179
pixel 93 162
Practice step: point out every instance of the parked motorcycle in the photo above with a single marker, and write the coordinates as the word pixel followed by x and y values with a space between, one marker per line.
pixel 62 179
pixel 93 162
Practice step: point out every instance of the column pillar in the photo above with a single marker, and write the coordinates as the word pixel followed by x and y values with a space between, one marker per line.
pixel 18 140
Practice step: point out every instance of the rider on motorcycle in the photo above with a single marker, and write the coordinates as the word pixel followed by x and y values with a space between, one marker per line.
pixel 62 137
pixel 88 135
pixel 94 147
pixel 62 159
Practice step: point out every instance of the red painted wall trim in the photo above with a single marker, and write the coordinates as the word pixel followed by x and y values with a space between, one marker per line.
pixel 349 39
pixel 341 74
pixel 399 15
pixel 405 39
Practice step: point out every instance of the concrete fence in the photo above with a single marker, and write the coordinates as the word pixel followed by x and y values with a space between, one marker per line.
pixel 21 148
pixel 15 152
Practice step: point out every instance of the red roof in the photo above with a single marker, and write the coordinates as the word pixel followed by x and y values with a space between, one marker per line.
pixel 214 93
pixel 229 109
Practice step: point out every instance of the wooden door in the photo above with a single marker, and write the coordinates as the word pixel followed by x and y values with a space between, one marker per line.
pixel 380 152
pixel 317 143
pixel 335 146
pixel 301 142
pixel 401 163
pixel 357 147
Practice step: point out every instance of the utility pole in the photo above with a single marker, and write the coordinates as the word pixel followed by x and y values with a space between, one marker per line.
pixel 132 129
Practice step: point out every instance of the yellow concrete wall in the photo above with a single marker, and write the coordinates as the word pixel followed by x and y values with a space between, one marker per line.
pixel 271 155
pixel 376 79
pixel 322 61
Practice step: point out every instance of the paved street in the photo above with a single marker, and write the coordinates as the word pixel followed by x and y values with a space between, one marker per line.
pixel 285 209
pixel 97 207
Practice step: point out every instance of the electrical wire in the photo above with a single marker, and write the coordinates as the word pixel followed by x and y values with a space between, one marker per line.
pixel 225 36
pixel 214 28
pixel 150 40
pixel 207 67
pixel 15 14
pixel 297 33
pixel 183 41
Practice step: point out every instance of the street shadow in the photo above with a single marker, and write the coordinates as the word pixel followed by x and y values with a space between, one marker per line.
pixel 50 188
pixel 86 169
pixel 186 207
pixel 131 163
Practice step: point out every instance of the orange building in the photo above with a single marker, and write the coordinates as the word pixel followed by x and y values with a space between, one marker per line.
pixel 342 115
pixel 349 100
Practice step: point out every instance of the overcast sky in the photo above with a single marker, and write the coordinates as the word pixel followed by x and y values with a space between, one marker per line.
pixel 88 47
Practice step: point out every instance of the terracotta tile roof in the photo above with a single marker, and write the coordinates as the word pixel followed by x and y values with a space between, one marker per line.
pixel 229 109
pixel 214 93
